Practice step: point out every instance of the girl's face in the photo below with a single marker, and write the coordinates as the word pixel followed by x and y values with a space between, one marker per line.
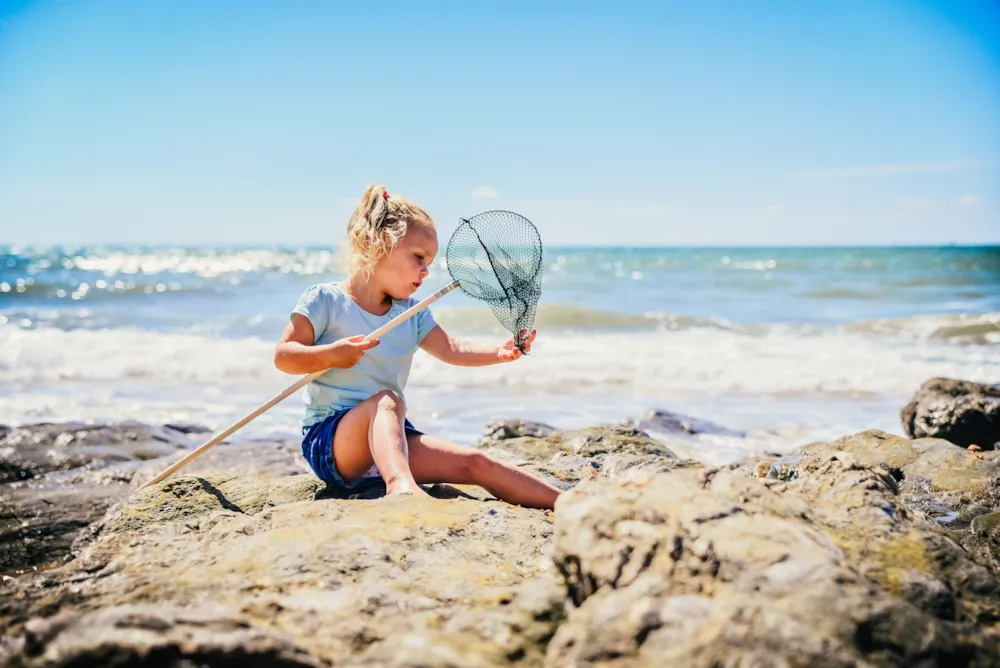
pixel 402 271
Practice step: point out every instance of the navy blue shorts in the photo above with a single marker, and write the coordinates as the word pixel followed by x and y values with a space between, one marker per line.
pixel 317 448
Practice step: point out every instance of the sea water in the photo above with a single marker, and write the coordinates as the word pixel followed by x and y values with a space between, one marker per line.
pixel 786 345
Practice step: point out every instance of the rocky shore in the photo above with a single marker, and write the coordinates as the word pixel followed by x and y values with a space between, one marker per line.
pixel 871 550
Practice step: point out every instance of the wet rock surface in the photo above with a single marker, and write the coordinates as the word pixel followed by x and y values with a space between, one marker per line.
pixel 30 451
pixel 664 421
pixel 949 483
pixel 957 488
pixel 959 411
pixel 500 430
pixel 62 478
pixel 38 523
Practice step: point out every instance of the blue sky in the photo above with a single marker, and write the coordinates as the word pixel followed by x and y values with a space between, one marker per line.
pixel 668 123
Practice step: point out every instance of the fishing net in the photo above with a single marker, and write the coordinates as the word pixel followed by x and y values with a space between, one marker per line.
pixel 496 257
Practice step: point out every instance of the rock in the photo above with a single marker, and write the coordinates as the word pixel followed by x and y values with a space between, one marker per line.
pixel 958 411
pixel 927 593
pixel 189 497
pixel 860 508
pixel 668 422
pixel 188 428
pixel 517 633
pixel 830 558
pixel 140 635
pixel 950 485
pixel 590 442
pixel 983 540
pixel 63 481
pixel 933 475
pixel 986 525
pixel 350 582
pixel 43 516
pixel 501 430
pixel 709 568
pixel 785 468
pixel 566 457
pixel 38 526
pixel 29 451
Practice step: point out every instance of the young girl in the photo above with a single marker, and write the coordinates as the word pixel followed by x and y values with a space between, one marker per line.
pixel 355 429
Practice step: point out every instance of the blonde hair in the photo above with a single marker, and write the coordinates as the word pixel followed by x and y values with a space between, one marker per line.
pixel 377 225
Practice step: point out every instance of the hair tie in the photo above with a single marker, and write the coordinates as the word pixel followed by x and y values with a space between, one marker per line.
pixel 385 194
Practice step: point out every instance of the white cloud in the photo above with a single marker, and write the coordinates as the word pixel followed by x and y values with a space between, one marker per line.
pixel 899 168
pixel 484 192
pixel 774 210
pixel 971 199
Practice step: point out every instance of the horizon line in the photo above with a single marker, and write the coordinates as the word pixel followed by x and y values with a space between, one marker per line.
pixel 282 245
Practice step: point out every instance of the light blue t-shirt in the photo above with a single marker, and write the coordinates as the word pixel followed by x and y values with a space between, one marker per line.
pixel 334 315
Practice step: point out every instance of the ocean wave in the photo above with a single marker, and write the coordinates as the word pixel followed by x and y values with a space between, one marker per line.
pixel 561 317
pixel 842 293
pixel 702 360
pixel 818 383
pixel 974 277
pixel 51 354
pixel 977 329
pixel 966 329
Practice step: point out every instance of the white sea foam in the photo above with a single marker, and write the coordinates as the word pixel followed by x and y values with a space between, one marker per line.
pixel 711 361
pixel 778 382
pixel 774 360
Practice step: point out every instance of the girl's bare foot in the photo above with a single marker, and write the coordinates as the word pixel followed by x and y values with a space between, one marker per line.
pixel 414 489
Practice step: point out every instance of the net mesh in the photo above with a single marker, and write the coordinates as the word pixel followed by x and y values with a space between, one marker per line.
pixel 496 257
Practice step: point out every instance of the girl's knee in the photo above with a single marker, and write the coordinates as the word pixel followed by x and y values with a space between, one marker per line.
pixel 387 400
pixel 479 467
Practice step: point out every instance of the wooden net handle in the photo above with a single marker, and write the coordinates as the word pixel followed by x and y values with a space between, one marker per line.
pixel 302 382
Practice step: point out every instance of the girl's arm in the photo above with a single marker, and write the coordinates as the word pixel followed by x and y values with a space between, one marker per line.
pixel 464 352
pixel 296 354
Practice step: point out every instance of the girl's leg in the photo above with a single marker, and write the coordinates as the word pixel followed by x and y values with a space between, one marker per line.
pixel 372 432
pixel 434 460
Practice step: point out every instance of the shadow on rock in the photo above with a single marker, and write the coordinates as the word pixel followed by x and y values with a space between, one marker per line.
pixel 959 411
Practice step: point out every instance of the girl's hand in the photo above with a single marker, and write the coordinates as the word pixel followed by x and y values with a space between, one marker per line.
pixel 348 352
pixel 509 351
